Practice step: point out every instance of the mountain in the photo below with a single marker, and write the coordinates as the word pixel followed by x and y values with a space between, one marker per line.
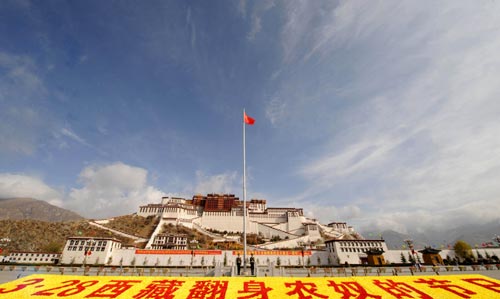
pixel 29 208
pixel 475 235
pixel 395 240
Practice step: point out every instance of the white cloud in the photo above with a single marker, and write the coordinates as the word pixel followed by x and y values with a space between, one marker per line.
pixel 112 189
pixel 24 186
pixel 226 182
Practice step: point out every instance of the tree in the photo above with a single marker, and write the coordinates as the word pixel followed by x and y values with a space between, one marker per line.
pixel 403 258
pixel 411 258
pixel 462 249
pixel 52 247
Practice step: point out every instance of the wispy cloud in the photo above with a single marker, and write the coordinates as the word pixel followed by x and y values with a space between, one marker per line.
pixel 422 138
pixel 72 135
pixel 256 27
pixel 242 8
pixel 21 122
pixel 275 110
pixel 191 26
pixel 259 10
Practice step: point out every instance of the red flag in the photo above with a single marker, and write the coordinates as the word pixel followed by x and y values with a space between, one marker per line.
pixel 248 120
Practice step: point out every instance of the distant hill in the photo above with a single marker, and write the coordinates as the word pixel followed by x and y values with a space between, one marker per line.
pixel 29 208
pixel 475 235
pixel 395 240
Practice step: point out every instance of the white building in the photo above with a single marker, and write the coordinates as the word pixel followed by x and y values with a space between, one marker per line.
pixel 352 251
pixel 87 250
pixel 20 257
pixel 169 241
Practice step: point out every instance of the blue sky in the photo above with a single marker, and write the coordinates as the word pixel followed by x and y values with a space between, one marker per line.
pixel 383 114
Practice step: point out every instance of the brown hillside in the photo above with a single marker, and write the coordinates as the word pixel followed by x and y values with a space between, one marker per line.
pixel 134 225
pixel 42 236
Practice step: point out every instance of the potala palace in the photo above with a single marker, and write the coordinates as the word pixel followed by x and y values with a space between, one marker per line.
pixel 216 212
pixel 302 240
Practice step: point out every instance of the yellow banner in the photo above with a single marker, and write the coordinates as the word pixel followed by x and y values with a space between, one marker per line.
pixel 140 287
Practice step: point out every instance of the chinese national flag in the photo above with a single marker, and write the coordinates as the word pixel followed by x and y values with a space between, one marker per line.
pixel 248 120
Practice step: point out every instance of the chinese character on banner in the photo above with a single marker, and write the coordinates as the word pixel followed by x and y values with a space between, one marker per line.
pixel 160 289
pixel 208 289
pixel 113 289
pixel 444 284
pixel 351 289
pixel 21 285
pixel 300 288
pixel 400 289
pixel 254 288
pixel 487 284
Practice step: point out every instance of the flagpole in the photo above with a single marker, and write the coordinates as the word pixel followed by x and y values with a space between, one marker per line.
pixel 244 200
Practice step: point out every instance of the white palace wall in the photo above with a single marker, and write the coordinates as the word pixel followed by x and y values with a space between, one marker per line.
pixel 222 221
pixel 137 257
pixel 233 222
pixel 273 231
pixel 129 257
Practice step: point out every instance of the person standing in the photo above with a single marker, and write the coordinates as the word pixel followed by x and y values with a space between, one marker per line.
pixel 252 264
pixel 238 264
